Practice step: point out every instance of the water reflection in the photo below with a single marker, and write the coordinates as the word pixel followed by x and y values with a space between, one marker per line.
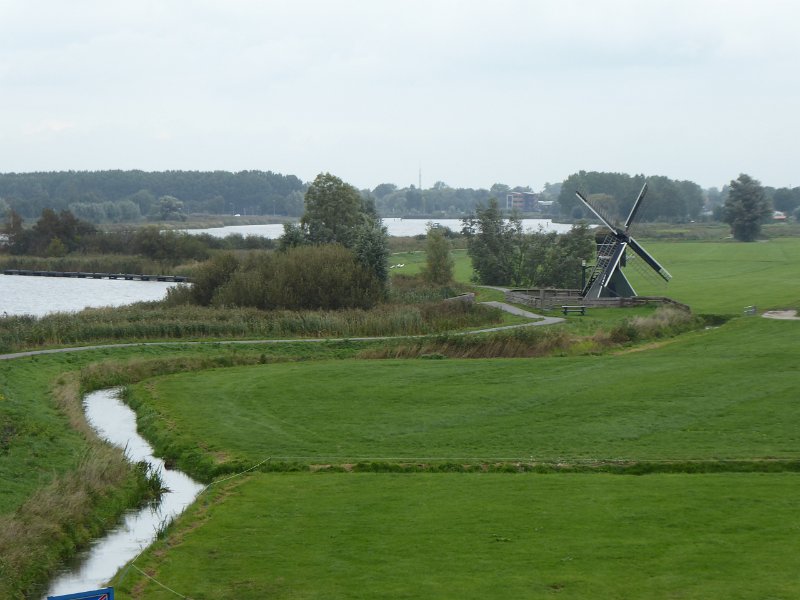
pixel 116 422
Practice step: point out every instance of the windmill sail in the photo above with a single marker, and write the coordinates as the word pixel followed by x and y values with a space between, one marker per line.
pixel 607 279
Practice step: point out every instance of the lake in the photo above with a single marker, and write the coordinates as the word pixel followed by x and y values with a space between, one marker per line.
pixel 395 227
pixel 38 296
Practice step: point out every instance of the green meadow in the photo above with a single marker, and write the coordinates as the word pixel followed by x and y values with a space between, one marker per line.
pixel 724 277
pixel 450 478
pixel 724 393
pixel 446 535
pixel 719 277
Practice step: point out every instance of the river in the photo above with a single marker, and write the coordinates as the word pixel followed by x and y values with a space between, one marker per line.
pixel 394 226
pixel 115 422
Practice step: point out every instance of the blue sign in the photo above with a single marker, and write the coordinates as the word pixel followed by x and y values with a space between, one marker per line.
pixel 104 594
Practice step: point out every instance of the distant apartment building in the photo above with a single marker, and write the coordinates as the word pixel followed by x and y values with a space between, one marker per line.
pixel 522 201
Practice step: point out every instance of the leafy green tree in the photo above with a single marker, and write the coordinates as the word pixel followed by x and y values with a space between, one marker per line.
pixel 333 210
pixel 561 257
pixel 170 209
pixel 383 189
pixel 71 232
pixel 371 249
pixel 746 207
pixel 337 213
pixel 293 236
pixel 438 269
pixel 55 248
pixel 129 211
pixel 495 245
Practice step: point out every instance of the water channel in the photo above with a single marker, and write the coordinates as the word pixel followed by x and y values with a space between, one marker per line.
pixel 115 422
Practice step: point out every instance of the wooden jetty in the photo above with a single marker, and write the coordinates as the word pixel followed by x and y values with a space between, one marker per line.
pixel 87 275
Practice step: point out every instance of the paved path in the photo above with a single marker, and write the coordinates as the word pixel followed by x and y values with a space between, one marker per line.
pixel 501 305
pixel 522 313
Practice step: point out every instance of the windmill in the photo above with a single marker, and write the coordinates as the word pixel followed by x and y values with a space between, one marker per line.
pixel 607 279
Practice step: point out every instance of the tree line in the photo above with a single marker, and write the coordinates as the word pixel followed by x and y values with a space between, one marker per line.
pixel 112 196
pixel 131 196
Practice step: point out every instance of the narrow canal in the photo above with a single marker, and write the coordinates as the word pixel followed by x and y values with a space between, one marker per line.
pixel 115 422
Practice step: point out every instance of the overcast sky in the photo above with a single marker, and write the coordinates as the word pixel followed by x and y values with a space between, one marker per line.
pixel 472 92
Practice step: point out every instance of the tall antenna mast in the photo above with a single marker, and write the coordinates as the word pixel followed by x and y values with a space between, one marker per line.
pixel 421 195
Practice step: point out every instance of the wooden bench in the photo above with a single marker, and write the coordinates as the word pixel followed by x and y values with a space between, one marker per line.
pixel 569 309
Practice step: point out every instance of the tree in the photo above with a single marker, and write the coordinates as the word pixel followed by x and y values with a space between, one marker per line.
pixel 438 269
pixel 337 213
pixel 494 245
pixel 170 209
pixel 786 200
pixel 560 259
pixel 293 236
pixel 371 249
pixel 333 210
pixel 745 208
pixel 16 239
pixel 62 226
pixel 383 189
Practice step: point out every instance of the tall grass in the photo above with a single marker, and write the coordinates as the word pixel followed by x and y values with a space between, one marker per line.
pixel 106 263
pixel 73 508
pixel 150 321
pixel 530 342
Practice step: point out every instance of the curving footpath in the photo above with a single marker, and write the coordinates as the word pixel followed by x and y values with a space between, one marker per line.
pixel 542 320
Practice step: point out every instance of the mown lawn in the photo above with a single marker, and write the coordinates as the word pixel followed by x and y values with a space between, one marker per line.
pixel 725 393
pixel 712 277
pixel 340 535
pixel 724 277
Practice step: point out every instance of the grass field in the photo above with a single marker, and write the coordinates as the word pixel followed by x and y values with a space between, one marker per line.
pixel 732 536
pixel 722 393
pixel 727 393
pixel 724 277
pixel 711 277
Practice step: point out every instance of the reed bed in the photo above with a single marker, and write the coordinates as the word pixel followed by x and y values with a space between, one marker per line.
pixel 106 263
pixel 517 343
pixel 153 321
pixel 531 342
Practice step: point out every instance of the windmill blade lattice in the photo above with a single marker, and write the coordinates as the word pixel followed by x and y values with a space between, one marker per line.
pixel 607 279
